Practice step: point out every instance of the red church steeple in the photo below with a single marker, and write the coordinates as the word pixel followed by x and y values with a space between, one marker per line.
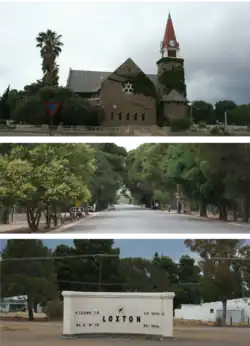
pixel 169 46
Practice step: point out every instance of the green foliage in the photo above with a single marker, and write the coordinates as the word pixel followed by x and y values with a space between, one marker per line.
pixel 202 112
pixel 43 176
pixel 33 278
pixel 178 125
pixel 95 265
pixel 216 174
pixel 50 45
pixel 4 106
pixel 141 83
pixel 222 278
pixel 54 310
pixel 171 60
pixel 74 110
pixel 174 79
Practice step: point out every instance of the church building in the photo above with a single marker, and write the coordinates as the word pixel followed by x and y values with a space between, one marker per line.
pixel 129 96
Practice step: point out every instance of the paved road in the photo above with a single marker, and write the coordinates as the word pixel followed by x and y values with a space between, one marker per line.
pixel 133 219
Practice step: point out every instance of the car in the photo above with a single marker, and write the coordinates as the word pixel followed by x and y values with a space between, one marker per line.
pixel 91 209
pixel 156 206
pixel 111 207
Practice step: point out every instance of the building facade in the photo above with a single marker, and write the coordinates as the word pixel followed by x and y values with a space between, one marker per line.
pixel 238 310
pixel 129 96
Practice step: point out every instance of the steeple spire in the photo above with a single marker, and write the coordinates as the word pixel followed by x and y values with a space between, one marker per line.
pixel 169 46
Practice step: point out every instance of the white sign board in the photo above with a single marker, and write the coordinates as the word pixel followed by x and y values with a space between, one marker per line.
pixel 118 313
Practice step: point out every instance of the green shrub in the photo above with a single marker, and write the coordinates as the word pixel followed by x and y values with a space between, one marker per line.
pixel 178 125
pixel 202 125
pixel 54 310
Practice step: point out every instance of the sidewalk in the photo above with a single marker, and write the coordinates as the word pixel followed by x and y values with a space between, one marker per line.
pixel 22 226
pixel 211 217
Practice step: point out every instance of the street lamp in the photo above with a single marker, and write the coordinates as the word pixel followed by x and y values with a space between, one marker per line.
pixel 191 110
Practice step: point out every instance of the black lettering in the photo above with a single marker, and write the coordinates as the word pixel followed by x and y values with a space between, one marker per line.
pixel 117 318
pixel 103 319
pixel 124 318
pixel 131 319
pixel 138 319
pixel 110 318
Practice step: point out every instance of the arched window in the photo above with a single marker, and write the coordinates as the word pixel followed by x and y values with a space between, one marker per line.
pixel 120 116
pixel 128 116
pixel 143 117
pixel 135 116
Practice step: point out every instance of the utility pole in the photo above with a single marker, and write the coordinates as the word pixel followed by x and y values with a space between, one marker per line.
pixel 100 274
pixel 225 118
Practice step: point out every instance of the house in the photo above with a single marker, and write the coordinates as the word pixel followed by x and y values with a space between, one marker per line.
pixel 238 310
pixel 129 96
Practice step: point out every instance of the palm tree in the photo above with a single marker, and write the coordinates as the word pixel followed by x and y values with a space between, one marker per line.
pixel 50 45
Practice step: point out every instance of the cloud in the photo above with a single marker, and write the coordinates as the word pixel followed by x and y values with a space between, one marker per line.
pixel 214 40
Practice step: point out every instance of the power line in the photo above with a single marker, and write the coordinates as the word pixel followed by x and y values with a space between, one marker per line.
pixel 229 258
pixel 93 283
pixel 55 257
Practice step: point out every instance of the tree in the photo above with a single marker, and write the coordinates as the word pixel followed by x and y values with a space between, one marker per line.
pixel 143 275
pixel 50 45
pixel 109 174
pixel 97 271
pixel 239 115
pixel 41 177
pixel 222 108
pixel 183 278
pixel 203 112
pixel 4 105
pixel 32 277
pixel 30 107
pixel 222 279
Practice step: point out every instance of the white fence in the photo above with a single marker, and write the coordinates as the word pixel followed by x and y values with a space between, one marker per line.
pixel 101 313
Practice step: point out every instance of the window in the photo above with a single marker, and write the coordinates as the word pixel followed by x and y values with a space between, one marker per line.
pixel 143 117
pixel 120 116
pixel 127 116
pixel 211 311
pixel 135 116
pixel 112 116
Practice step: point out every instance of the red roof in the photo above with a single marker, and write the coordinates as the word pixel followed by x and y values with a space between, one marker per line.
pixel 169 34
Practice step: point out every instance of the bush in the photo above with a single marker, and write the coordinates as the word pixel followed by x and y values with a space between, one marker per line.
pixel 178 125
pixel 202 125
pixel 54 310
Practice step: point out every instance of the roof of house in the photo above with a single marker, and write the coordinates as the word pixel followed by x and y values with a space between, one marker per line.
pixel 82 81
pixel 175 96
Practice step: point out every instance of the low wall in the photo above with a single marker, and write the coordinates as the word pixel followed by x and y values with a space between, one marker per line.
pixel 100 313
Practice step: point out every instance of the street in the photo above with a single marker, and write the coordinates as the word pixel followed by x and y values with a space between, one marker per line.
pixel 135 219
pixel 48 333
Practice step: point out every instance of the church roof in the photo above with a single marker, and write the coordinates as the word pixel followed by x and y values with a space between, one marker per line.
pixel 83 81
pixel 174 96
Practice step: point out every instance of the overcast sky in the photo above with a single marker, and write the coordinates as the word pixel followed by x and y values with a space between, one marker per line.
pixel 214 40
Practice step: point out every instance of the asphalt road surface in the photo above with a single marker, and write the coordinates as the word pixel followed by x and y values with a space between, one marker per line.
pixel 134 219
